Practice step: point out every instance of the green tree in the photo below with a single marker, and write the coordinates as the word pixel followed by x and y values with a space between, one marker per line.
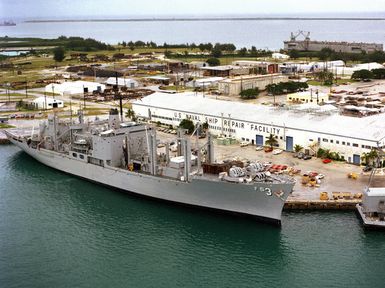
pixel 188 125
pixel 294 54
pixel 325 53
pixel 271 141
pixel 216 52
pixel 325 77
pixel 362 74
pixel 131 114
pixel 249 93
pixel 213 61
pixel 58 54
pixel 378 73
pixel 205 126
pixel 297 148
pixel 369 157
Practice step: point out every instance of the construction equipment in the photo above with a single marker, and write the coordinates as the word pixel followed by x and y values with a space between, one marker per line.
pixel 353 175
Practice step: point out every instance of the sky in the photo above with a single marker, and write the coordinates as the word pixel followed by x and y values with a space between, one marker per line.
pixel 52 9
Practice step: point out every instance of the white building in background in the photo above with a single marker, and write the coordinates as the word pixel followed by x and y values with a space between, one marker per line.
pixel 123 82
pixel 234 86
pixel 74 88
pixel 205 82
pixel 279 56
pixel 47 103
pixel 312 127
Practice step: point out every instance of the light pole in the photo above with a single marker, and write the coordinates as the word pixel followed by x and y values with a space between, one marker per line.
pixel 26 88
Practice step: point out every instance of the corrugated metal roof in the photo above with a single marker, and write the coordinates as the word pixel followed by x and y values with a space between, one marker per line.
pixel 371 128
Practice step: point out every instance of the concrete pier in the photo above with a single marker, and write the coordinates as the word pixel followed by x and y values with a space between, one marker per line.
pixel 3 138
pixel 340 204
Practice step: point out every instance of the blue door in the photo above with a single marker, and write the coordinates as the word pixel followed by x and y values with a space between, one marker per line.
pixel 259 140
pixel 289 143
pixel 356 159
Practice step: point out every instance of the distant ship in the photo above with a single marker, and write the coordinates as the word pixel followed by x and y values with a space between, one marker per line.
pixel 128 156
pixel 7 23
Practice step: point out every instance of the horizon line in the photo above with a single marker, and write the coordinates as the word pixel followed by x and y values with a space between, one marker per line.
pixel 211 18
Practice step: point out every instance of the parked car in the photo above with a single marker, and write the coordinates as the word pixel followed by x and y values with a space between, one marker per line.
pixel 244 143
pixel 277 151
pixel 268 149
pixel 320 176
pixel 367 169
pixel 259 148
pixel 300 155
pixel 326 161
pixel 306 157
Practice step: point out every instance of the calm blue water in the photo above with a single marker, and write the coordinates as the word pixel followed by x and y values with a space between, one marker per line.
pixel 60 231
pixel 260 33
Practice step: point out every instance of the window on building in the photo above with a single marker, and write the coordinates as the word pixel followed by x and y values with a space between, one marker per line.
pixel 347 144
pixel 331 141
pixel 337 142
pixel 74 155
pixel 325 140
pixel 343 143
pixel 355 145
pixel 280 137
pixel 243 139
pixel 311 140
pixel 81 156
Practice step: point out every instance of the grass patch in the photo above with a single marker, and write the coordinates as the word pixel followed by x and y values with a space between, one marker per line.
pixel 5 126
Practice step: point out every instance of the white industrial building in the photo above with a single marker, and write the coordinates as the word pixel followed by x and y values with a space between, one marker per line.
pixel 47 103
pixel 279 56
pixel 310 127
pixel 205 82
pixel 123 82
pixel 74 88
pixel 234 86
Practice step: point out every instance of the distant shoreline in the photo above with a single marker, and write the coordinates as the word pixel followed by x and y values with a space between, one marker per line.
pixel 206 19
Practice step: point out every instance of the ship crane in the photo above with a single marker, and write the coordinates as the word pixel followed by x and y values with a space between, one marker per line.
pixel 305 34
pixel 304 44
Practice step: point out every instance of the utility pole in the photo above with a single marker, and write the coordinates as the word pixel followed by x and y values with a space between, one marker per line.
pixel 45 100
pixel 84 98
pixel 120 96
pixel 26 88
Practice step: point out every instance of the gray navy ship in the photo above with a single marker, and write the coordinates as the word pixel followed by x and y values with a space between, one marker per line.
pixel 128 156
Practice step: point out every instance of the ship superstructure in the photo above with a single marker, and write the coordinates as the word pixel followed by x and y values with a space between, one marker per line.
pixel 128 156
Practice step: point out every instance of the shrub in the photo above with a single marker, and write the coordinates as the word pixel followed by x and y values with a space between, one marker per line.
pixel 249 93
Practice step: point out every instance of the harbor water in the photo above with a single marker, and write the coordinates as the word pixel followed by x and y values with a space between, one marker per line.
pixel 60 231
pixel 263 34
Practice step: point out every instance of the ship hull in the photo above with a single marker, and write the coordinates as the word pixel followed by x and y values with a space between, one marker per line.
pixel 264 201
pixel 367 223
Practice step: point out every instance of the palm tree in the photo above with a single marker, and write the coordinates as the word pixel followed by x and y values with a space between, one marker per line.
pixel 130 114
pixel 297 148
pixel 365 158
pixel 271 141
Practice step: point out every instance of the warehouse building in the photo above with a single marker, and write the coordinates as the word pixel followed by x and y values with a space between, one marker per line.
pixel 47 103
pixel 122 82
pixel 311 128
pixel 74 88
pixel 234 86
